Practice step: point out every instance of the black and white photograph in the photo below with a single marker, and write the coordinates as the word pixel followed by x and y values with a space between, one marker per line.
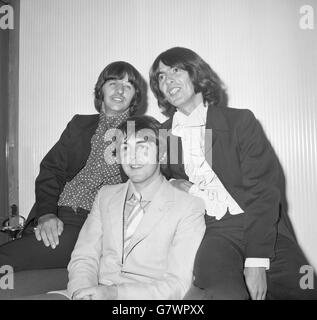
pixel 158 150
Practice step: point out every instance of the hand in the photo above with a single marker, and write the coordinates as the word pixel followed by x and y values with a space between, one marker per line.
pixel 81 294
pixel 48 230
pixel 255 279
pixel 181 184
pixel 100 292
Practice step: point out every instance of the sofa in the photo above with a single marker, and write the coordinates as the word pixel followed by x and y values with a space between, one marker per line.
pixel 35 282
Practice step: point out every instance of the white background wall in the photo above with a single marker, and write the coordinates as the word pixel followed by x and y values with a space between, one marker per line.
pixel 268 63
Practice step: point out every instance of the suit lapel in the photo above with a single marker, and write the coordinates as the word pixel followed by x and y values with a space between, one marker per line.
pixel 87 134
pixel 156 210
pixel 216 145
pixel 215 128
pixel 116 208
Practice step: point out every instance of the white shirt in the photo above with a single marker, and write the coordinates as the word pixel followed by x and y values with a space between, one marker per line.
pixel 206 184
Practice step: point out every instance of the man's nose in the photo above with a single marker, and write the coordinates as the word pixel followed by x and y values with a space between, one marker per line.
pixel 120 88
pixel 169 79
pixel 132 157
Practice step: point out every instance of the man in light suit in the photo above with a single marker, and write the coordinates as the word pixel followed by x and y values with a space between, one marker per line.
pixel 141 237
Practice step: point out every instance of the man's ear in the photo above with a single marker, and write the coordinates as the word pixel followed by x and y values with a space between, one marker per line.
pixel 102 108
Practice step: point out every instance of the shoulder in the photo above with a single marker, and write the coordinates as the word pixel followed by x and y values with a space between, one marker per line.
pixel 167 124
pixel 81 123
pixel 236 114
pixel 187 201
pixel 109 189
pixel 229 118
pixel 82 120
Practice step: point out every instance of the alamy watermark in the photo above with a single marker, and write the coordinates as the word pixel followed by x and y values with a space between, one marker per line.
pixel 6 277
pixel 6 17
pixel 166 142
pixel 307 280
pixel 306 21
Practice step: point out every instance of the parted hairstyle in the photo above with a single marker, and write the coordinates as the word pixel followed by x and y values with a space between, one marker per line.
pixel 203 77
pixel 117 70
pixel 143 124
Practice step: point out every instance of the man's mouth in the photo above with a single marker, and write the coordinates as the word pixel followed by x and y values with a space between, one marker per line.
pixel 117 98
pixel 172 92
pixel 136 166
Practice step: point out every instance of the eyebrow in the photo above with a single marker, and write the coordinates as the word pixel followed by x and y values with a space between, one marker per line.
pixel 121 80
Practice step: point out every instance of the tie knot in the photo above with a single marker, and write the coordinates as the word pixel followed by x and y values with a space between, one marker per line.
pixel 135 198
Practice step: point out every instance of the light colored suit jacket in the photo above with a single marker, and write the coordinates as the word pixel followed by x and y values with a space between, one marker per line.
pixel 160 259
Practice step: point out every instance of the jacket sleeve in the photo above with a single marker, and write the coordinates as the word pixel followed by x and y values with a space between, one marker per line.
pixel 51 180
pixel 177 279
pixel 83 268
pixel 260 174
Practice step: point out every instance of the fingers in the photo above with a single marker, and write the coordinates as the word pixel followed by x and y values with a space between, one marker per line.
pixel 52 236
pixel 47 235
pixel 252 292
pixel 255 278
pixel 182 184
pixel 85 294
pixel 37 234
pixel 256 293
pixel 49 230
pixel 60 227
pixel 186 185
pixel 260 295
pixel 44 237
pixel 264 295
pixel 81 297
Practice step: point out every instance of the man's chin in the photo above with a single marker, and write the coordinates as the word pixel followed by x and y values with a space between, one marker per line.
pixel 137 179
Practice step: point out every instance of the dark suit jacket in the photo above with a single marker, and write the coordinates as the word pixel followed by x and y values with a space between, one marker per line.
pixel 61 164
pixel 239 153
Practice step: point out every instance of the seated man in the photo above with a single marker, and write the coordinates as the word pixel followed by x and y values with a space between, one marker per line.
pixel 141 237
pixel 73 171
pixel 249 249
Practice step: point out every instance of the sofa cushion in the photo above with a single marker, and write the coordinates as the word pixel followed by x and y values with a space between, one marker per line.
pixel 35 282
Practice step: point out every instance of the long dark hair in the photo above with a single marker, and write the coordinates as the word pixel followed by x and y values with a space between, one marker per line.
pixel 204 79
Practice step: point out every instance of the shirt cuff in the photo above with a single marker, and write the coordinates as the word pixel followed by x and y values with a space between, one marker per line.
pixel 257 263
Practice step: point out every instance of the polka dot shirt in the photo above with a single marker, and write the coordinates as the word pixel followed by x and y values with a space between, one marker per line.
pixel 100 168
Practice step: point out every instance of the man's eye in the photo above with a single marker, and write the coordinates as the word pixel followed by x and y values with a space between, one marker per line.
pixel 142 147
pixel 176 69
pixel 161 77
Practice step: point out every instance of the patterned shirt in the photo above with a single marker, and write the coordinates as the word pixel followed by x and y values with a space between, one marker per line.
pixel 80 192
pixel 206 183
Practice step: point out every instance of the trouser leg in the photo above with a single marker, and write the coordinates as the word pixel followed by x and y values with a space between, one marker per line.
pixel 28 253
pixel 285 280
pixel 219 270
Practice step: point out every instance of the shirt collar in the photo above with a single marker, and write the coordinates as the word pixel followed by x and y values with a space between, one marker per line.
pixel 114 121
pixel 196 119
pixel 148 192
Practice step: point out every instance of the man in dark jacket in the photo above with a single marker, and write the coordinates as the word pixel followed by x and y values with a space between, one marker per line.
pixel 73 171
pixel 221 154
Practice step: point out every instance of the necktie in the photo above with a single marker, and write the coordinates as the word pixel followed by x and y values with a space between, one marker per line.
pixel 133 219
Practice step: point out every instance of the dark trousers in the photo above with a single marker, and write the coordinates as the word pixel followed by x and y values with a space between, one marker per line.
pixel 28 253
pixel 220 260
